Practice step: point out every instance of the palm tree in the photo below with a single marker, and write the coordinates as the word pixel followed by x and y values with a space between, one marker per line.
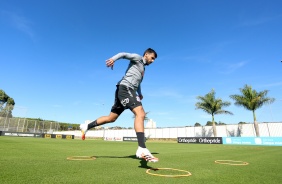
pixel 252 100
pixel 213 106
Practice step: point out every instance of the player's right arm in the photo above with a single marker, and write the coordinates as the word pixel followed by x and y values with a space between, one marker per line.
pixel 123 55
pixel 110 63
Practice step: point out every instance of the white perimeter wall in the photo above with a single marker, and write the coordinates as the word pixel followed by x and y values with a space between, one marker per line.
pixel 244 130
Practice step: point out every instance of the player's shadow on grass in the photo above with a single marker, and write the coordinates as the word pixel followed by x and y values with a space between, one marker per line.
pixel 143 163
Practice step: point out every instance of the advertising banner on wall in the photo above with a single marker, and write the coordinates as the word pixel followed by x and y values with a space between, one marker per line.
pixel 200 140
pixel 264 141
pixel 131 139
pixel 20 134
pixel 58 136
pixel 112 139
pixel 39 135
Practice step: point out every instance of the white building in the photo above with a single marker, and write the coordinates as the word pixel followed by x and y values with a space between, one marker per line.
pixel 151 124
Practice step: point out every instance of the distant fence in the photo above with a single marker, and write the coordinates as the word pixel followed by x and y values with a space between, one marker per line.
pixel 25 125
pixel 239 130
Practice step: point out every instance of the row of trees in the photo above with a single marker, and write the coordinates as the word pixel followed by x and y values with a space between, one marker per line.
pixel 6 104
pixel 210 123
pixel 249 99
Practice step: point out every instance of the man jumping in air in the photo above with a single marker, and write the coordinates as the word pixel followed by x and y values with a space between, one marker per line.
pixel 128 95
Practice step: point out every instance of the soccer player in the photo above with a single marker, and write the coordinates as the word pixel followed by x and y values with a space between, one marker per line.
pixel 128 95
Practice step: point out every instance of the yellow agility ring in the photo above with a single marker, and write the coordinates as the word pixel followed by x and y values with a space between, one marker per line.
pixel 171 176
pixel 231 162
pixel 81 158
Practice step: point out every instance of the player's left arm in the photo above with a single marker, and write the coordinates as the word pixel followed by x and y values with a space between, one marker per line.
pixel 139 92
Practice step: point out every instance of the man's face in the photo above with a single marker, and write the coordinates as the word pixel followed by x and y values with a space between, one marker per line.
pixel 150 58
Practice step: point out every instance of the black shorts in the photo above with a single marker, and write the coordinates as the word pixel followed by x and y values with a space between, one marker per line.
pixel 125 98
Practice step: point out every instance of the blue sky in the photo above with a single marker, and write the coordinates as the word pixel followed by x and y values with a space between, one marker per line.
pixel 53 53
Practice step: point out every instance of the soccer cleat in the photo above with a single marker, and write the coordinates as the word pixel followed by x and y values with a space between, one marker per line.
pixel 145 154
pixel 84 129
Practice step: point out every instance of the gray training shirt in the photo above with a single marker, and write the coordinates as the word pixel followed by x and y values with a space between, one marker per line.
pixel 135 71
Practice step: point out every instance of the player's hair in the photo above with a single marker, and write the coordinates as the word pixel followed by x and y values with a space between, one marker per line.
pixel 149 50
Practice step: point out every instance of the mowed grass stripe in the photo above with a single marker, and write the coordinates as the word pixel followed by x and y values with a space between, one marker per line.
pixel 38 160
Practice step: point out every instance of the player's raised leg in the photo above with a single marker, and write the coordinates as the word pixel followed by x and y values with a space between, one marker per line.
pixel 100 121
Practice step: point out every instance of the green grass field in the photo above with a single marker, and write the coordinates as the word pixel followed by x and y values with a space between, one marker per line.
pixel 38 160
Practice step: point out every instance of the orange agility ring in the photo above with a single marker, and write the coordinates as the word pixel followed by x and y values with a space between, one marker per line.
pixel 81 158
pixel 231 162
pixel 187 173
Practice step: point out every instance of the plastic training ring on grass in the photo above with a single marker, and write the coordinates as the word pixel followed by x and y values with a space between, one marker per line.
pixel 231 162
pixel 170 176
pixel 82 158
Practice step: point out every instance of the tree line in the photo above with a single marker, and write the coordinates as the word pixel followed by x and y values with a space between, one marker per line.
pixel 6 105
